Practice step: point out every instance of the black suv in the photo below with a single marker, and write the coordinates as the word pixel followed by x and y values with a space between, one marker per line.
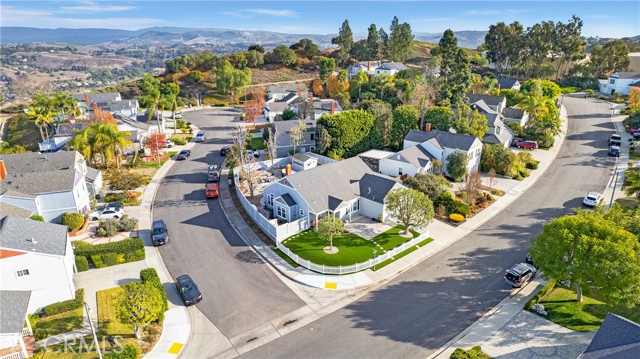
pixel 519 274
pixel 188 290
pixel 159 233
pixel 183 155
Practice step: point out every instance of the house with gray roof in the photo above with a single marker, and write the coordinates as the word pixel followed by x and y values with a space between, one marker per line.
pixel 515 115
pixel 617 338
pixel 496 103
pixel 619 82
pixel 278 92
pixel 344 188
pixel 128 108
pixel 325 107
pixel 390 68
pixel 284 144
pixel 88 99
pixel 13 317
pixel 440 145
pixel 36 256
pixel 408 162
pixel 498 132
pixel 47 184
pixel 369 67
pixel 508 83
pixel 301 162
pixel 63 133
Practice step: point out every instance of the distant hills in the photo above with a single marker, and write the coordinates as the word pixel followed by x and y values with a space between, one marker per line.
pixel 169 36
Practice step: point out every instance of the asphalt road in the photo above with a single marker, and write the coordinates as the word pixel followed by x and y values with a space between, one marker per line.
pixel 240 292
pixel 421 310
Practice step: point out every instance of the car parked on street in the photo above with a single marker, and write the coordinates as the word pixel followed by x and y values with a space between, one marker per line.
pixel 636 135
pixel 614 151
pixel 183 155
pixel 615 140
pixel 211 190
pixel 528 145
pixel 107 213
pixel 200 136
pixel 178 114
pixel 592 199
pixel 213 175
pixel 223 151
pixel 159 233
pixel 188 290
pixel 519 274
pixel 169 144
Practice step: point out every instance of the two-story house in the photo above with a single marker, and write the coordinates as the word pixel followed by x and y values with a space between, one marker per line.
pixel 408 162
pixel 284 143
pixel 344 188
pixel 390 68
pixel 440 145
pixel 620 82
pixel 498 132
pixel 46 184
pixel 508 83
pixel 36 256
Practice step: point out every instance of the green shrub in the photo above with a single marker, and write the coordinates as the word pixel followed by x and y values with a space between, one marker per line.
pixel 67 305
pixel 129 351
pixel 473 353
pixel 461 208
pixel 109 259
pixel 179 141
pixel 114 197
pixel 589 92
pixel 490 197
pixel 108 228
pixel 456 217
pixel 126 224
pixel 82 264
pixel 523 173
pixel 150 275
pixel 181 123
pixel 37 218
pixel 72 220
pixel 123 246
pixel 541 294
pixel 126 200
pixel 497 192
pixel 569 89
pixel 533 165
pixel 97 261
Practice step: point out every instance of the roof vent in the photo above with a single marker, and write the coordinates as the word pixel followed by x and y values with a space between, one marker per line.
pixel 32 240
pixel 369 192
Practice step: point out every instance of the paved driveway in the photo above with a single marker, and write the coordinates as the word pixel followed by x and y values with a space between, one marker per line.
pixel 240 291
pixel 421 310
pixel 528 335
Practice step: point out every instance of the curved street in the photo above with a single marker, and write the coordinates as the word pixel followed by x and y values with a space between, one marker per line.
pixel 421 310
pixel 240 292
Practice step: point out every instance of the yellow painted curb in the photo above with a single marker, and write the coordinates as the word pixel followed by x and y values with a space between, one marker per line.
pixel 328 285
pixel 175 348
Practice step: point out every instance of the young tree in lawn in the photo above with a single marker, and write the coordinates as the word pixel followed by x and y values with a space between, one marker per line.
pixel 457 165
pixel 329 227
pixel 400 41
pixel 155 143
pixel 410 207
pixel 595 254
pixel 139 304
pixel 297 134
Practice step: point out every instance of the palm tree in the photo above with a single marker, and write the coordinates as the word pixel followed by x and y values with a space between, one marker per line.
pixel 110 142
pixel 40 112
pixel 63 101
pixel 81 143
pixel 632 182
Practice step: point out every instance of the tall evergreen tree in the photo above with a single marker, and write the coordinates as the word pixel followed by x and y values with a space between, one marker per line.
pixel 345 40
pixel 373 42
pixel 455 71
pixel 400 38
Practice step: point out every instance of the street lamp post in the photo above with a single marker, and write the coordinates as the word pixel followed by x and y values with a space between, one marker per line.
pixel 93 331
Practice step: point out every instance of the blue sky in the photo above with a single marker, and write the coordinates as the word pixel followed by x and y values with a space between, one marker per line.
pixel 601 18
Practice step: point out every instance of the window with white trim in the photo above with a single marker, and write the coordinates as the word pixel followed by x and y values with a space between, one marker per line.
pixel 612 81
pixel 400 171
pixel 281 212
pixel 22 273
pixel 270 199
pixel 355 207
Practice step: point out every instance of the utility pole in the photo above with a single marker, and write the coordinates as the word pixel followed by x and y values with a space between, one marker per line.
pixel 93 331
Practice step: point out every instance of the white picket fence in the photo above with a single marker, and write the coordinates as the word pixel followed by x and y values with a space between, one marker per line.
pixel 16 355
pixel 354 267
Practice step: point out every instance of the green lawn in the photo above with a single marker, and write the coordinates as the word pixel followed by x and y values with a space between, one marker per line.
pixel 563 309
pixel 404 253
pixel 285 257
pixel 352 248
pixel 257 142
pixel 391 239
pixel 107 320
pixel 59 323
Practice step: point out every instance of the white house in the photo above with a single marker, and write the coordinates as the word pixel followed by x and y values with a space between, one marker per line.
pixel 515 115
pixel 13 317
pixel 369 67
pixel 620 82
pixel 343 188
pixel 301 162
pixel 408 162
pixel 63 133
pixel 88 99
pixel 276 106
pixel 440 145
pixel 38 257
pixel 46 184
pixel 498 132
pixel 278 92
pixel 390 68
pixel 128 108
pixel 508 83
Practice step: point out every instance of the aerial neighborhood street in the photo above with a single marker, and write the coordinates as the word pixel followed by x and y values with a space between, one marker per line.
pixel 218 192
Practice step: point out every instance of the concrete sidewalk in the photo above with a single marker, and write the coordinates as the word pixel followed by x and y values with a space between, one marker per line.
pixel 443 234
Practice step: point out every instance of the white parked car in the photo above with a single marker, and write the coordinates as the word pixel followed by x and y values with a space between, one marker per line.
pixel 107 213
pixel 169 144
pixel 592 199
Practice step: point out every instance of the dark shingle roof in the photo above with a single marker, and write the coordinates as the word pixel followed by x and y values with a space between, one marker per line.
pixel 14 310
pixel 7 209
pixel 48 238
pixel 288 200
pixel 124 120
pixel 488 99
pixel 482 107
pixel 289 97
pixel 444 139
pixel 506 82
pixel 617 338
pixel 277 106
pixel 628 75
pixel 33 173
pixel 512 112
pixel 98 97
pixel 325 106
pixel 375 187
pixel 66 129
pixel 417 155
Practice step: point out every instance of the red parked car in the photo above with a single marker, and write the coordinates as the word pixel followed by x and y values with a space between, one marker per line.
pixel 211 190
pixel 529 145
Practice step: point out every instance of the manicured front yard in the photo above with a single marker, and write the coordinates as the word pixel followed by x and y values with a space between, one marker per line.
pixel 107 319
pixel 391 238
pixel 59 323
pixel 563 309
pixel 352 248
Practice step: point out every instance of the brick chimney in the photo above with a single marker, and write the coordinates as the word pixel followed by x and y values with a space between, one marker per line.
pixel 86 99
pixel 333 107
pixel 369 66
pixel 427 127
pixel 3 171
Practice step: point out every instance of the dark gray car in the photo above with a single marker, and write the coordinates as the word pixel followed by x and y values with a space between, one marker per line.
pixel 159 233
pixel 188 290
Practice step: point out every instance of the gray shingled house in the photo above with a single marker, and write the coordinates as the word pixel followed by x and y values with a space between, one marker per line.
pixel 13 317
pixel 283 137
pixel 617 338
pixel 345 188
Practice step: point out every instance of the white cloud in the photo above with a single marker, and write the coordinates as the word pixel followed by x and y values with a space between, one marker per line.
pixel 9 12
pixel 272 12
pixel 493 12
pixel 239 14
pixel 89 6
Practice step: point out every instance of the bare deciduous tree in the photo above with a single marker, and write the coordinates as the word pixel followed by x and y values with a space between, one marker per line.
pixel 297 134
pixel 491 177
pixel 272 143
pixel 240 156
pixel 472 184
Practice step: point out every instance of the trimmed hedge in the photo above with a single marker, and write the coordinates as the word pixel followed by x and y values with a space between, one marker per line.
pixel 541 294
pixel 67 305
pixel 456 217
pixel 97 261
pixel 82 264
pixel 72 220
pixel 150 276
pixel 123 246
